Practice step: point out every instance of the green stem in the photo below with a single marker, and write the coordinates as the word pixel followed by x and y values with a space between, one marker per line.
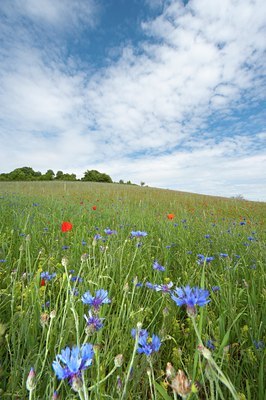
pixel 81 395
pixel 103 380
pixel 85 390
pixel 196 329
pixel 131 363
pixel 151 385
pixel 153 379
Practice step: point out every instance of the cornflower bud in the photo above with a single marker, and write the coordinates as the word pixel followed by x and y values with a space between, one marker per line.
pixel 52 314
pixel 170 371
pixel 64 262
pixel 181 385
pixel 44 318
pixel 119 359
pixel 205 352
pixel 31 380
pixel 139 326
pixel 76 384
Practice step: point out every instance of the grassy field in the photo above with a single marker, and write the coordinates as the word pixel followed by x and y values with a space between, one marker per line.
pixel 118 262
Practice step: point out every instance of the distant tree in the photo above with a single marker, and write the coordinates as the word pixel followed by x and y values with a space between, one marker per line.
pixel 4 177
pixel 59 175
pixel 96 176
pixel 121 182
pixel 48 176
pixel 142 183
pixel 24 174
pixel 129 183
pixel 69 177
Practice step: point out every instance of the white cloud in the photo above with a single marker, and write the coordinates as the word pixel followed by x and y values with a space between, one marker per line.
pixel 58 13
pixel 198 60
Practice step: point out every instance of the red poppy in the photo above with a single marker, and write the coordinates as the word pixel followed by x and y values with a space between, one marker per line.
pixel 42 282
pixel 170 216
pixel 94 207
pixel 66 226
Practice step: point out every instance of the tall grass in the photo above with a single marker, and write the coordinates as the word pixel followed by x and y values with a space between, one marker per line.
pixel 39 319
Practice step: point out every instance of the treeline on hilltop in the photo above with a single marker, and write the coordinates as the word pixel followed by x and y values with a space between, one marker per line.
pixel 28 174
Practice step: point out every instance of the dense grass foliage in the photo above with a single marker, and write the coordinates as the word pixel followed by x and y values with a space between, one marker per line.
pixel 40 315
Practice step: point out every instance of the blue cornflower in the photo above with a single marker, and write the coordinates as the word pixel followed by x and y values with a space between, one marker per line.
pixel 97 237
pixel 210 344
pixel 46 305
pixel 100 298
pixel 83 242
pixel 158 267
pixel 223 255
pixel 165 288
pixel 109 231
pixel 65 247
pixel 259 345
pixel 138 234
pixel 190 297
pixel 202 259
pixel 207 236
pixel 2 261
pixel 147 345
pixel 215 288
pixel 76 278
pixel 70 363
pixel 94 323
pixel 74 291
pixel 46 276
pixel 149 285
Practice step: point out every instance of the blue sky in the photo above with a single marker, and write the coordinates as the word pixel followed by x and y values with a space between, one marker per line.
pixel 168 92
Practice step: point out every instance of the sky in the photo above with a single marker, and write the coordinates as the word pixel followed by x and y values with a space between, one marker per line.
pixel 166 92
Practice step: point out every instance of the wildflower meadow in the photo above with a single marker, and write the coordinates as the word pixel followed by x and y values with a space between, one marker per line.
pixel 111 291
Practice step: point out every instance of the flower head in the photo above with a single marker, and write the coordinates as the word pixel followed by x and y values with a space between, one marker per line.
pixel 94 323
pixel 190 297
pixel 70 363
pixel 165 288
pixel 147 345
pixel 202 259
pixel 158 267
pixel 109 231
pixel 66 226
pixel 138 234
pixel 101 297
pixel 170 216
pixel 46 276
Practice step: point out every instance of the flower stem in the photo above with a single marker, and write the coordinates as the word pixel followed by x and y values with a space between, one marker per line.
pixel 104 379
pixel 131 364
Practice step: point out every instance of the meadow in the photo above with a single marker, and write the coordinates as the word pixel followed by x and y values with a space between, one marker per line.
pixel 112 291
